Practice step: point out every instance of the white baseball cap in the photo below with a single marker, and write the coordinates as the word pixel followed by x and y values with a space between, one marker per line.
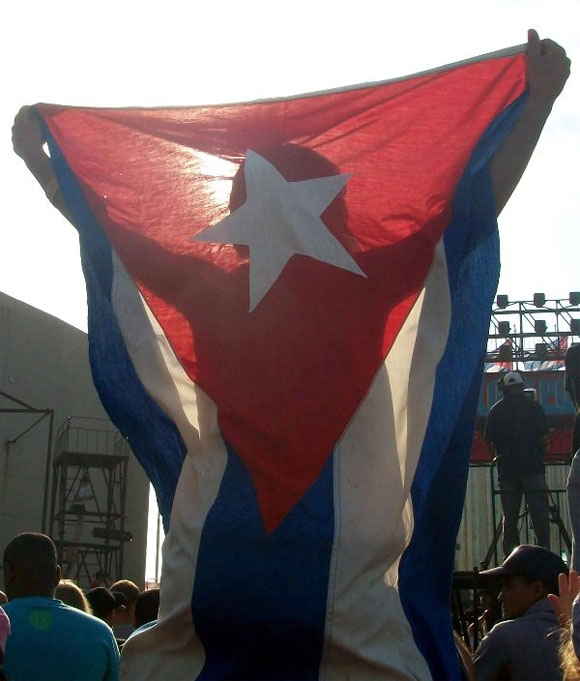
pixel 513 378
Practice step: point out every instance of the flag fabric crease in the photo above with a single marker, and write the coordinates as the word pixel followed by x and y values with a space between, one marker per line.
pixel 288 308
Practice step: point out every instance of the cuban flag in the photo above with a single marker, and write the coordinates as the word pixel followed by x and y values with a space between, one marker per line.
pixel 288 310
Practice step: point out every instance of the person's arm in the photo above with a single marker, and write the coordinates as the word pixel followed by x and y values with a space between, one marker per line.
pixel 547 71
pixel 28 141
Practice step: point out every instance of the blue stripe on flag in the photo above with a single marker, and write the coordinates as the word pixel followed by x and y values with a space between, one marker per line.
pixel 438 491
pixel 147 428
pixel 259 600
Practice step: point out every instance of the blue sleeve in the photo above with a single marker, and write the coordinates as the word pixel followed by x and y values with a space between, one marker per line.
pixel 113 661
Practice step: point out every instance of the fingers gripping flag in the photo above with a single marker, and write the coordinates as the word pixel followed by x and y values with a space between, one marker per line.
pixel 288 306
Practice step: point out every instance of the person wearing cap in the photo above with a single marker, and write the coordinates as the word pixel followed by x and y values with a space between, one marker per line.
pixel 516 430
pixel 50 641
pixel 525 646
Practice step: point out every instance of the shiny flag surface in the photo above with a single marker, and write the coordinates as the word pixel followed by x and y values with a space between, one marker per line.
pixel 288 307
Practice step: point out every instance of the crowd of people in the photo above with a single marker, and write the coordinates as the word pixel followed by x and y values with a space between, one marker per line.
pixel 51 629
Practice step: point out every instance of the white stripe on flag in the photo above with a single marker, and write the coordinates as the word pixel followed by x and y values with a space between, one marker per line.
pixel 367 635
pixel 171 650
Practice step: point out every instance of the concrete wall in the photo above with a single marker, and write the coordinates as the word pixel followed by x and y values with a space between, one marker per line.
pixel 44 363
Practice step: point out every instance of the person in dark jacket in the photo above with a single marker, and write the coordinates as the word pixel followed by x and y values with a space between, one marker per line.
pixel 525 646
pixel 517 429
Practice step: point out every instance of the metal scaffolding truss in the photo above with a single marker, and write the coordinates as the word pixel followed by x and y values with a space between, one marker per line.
pixel 537 330
pixel 89 489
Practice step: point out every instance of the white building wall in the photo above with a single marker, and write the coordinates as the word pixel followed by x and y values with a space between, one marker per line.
pixel 44 363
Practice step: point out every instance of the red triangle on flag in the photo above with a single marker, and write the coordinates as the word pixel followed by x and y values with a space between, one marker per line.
pixel 288 376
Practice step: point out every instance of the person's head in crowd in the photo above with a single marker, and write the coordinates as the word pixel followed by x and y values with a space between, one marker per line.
pixel 3 598
pixel 131 592
pixel 102 603
pixel 30 566
pixel 527 575
pixel 68 592
pixel 570 645
pixel 146 608
pixel 568 658
pixel 512 383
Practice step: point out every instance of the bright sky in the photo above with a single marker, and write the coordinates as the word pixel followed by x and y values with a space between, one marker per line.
pixel 129 53
pixel 117 53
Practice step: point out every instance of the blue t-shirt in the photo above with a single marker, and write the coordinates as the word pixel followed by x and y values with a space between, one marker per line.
pixel 51 641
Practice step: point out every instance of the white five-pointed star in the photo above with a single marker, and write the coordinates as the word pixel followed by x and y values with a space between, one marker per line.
pixel 280 219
